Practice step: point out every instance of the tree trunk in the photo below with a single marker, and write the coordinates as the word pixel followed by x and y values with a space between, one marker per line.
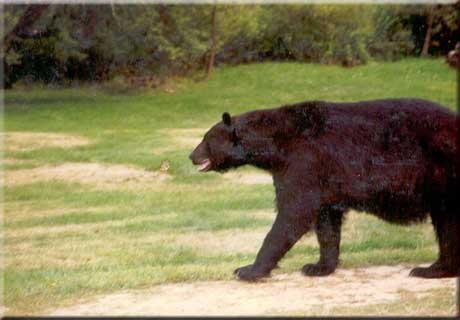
pixel 90 22
pixel 32 14
pixel 429 28
pixel 212 51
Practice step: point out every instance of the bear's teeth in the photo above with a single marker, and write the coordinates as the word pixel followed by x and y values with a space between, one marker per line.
pixel 204 165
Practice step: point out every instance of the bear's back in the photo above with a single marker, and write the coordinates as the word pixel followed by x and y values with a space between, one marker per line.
pixel 417 118
pixel 380 109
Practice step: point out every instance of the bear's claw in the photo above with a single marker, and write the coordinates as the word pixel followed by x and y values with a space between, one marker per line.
pixel 433 272
pixel 249 273
pixel 317 270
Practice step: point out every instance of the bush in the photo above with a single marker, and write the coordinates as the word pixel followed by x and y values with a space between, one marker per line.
pixel 96 43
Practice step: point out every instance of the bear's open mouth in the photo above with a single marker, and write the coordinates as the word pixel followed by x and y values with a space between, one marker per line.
pixel 204 165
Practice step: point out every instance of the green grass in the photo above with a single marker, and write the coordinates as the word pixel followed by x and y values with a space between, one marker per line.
pixel 66 241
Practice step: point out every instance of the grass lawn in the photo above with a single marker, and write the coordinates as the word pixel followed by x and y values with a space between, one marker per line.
pixel 93 226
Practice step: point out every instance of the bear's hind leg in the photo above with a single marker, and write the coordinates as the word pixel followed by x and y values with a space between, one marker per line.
pixel 328 229
pixel 447 227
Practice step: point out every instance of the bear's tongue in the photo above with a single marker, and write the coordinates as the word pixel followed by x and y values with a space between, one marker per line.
pixel 204 165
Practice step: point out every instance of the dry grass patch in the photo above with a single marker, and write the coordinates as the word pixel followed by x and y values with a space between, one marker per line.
pixel 233 241
pixel 280 294
pixel 222 242
pixel 20 211
pixel 28 252
pixel 190 137
pixel 100 176
pixel 44 258
pixel 181 138
pixel 269 214
pixel 7 161
pixel 78 227
pixel 27 141
pixel 248 177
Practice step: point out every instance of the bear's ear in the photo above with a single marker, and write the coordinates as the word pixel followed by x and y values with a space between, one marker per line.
pixel 226 119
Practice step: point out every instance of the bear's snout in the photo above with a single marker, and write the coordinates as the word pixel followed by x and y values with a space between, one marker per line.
pixel 195 160
pixel 198 155
pixel 200 158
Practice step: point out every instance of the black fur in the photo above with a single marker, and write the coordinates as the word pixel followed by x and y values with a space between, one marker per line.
pixel 394 158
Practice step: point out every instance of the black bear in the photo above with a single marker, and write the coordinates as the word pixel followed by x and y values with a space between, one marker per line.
pixel 394 158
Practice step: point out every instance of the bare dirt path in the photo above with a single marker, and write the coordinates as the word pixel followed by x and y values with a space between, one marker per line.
pixel 280 294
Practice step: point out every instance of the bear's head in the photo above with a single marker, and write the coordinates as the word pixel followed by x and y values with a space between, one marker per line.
pixel 221 147
pixel 261 138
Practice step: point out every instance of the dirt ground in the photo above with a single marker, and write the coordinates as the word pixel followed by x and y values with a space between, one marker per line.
pixel 248 177
pixel 280 294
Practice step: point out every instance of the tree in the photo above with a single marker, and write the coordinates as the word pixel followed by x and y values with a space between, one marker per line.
pixel 319 33
pixel 95 42
pixel 429 30
pixel 29 17
pixel 212 50
pixel 434 28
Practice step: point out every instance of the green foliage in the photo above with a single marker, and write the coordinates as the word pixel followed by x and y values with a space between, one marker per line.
pixel 100 42
pixel 324 33
pixel 414 19
pixel 391 40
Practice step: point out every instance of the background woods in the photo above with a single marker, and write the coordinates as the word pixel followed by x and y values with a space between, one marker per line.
pixel 60 43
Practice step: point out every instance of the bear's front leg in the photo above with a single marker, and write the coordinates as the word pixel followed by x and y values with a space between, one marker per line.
pixel 285 232
pixel 249 273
